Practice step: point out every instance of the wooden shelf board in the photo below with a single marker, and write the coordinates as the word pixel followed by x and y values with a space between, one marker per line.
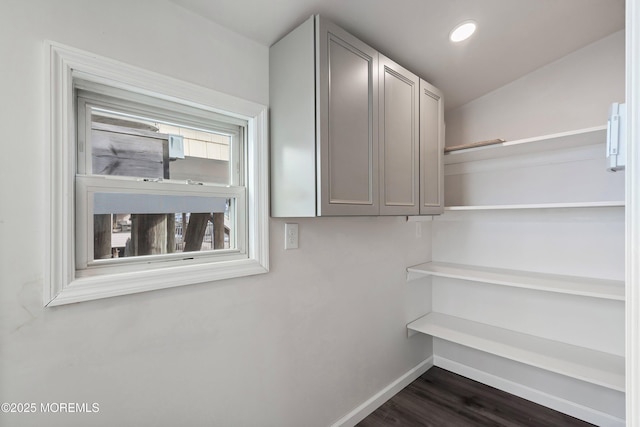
pixel 474 145
pixel 602 204
pixel 588 136
pixel 603 369
pixel 581 286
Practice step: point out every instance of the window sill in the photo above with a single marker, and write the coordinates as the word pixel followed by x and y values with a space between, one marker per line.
pixel 97 287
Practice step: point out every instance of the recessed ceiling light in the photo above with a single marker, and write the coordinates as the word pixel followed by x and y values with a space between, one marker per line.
pixel 462 31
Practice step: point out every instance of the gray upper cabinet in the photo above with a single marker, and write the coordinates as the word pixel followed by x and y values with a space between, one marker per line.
pixel 431 150
pixel 345 128
pixel 347 92
pixel 399 139
pixel 323 86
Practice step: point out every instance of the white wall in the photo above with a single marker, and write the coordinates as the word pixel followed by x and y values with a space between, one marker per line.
pixel 573 92
pixel 301 345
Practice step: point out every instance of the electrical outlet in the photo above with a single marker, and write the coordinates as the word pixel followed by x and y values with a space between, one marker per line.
pixel 291 236
pixel 418 230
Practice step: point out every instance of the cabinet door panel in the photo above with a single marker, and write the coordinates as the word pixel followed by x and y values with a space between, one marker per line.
pixel 349 136
pixel 348 149
pixel 431 150
pixel 398 136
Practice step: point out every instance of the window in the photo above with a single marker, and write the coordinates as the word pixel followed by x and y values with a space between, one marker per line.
pixel 153 183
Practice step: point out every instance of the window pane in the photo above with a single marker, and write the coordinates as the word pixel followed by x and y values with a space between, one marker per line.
pixel 128 145
pixel 129 225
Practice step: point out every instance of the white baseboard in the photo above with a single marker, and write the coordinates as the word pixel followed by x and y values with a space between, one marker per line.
pixel 570 408
pixel 375 401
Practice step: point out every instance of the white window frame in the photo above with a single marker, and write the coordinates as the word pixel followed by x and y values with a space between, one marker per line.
pixel 62 284
pixel 90 96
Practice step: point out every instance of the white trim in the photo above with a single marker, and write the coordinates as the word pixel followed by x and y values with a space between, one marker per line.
pixel 570 408
pixel 588 365
pixel 60 285
pixel 569 285
pixel 556 141
pixel 258 189
pixel 559 156
pixel 375 401
pixel 633 213
pixel 91 288
pixel 600 204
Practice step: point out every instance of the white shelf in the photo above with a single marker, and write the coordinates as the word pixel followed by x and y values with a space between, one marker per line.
pixel 581 286
pixel 604 204
pixel 603 369
pixel 557 141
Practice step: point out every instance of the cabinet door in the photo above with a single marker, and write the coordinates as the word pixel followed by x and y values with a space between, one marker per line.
pixel 398 134
pixel 347 102
pixel 431 150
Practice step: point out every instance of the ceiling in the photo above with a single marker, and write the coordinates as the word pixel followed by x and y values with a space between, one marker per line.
pixel 514 37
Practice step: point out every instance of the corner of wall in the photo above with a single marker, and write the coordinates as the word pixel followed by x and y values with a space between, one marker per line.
pixel 572 92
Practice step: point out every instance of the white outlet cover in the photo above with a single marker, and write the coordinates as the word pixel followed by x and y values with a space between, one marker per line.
pixel 291 236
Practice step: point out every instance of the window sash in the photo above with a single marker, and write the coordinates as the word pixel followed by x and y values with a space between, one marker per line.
pixel 178 115
pixel 87 187
pixel 95 95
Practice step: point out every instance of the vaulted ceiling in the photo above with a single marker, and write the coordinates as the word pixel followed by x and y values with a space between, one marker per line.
pixel 514 37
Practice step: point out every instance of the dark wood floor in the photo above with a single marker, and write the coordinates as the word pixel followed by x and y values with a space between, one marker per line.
pixel 441 398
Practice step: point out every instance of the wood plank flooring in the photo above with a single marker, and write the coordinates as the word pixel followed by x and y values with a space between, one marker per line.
pixel 440 398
